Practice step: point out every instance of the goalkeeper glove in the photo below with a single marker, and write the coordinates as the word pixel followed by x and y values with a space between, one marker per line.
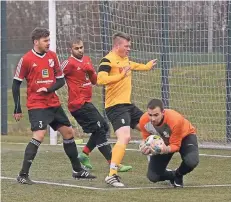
pixel 163 149
pixel 145 148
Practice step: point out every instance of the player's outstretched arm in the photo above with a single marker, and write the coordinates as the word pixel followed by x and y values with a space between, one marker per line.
pixel 16 95
pixel 142 67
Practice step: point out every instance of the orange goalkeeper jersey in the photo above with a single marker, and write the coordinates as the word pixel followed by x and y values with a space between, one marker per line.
pixel 118 86
pixel 172 130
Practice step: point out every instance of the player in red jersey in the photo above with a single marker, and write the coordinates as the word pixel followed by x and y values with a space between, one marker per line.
pixel 80 75
pixel 40 67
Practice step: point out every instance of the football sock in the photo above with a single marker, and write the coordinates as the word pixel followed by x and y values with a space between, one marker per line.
pixel 118 152
pixel 91 144
pixel 30 153
pixel 106 151
pixel 72 152
pixel 86 150
pixel 168 175
pixel 178 173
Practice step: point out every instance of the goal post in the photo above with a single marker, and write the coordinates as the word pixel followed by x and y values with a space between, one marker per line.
pixel 228 76
pixel 52 28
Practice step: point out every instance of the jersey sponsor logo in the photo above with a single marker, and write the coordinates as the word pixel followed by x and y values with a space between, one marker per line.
pixel 87 84
pixel 45 81
pixel 51 62
pixel 45 73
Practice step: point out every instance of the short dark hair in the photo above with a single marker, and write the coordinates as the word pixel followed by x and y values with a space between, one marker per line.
pixel 39 33
pixel 75 40
pixel 121 35
pixel 154 103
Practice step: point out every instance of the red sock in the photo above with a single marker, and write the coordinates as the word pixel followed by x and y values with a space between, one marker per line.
pixel 109 162
pixel 86 150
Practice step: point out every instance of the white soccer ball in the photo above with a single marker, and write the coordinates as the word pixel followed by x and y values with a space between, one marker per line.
pixel 154 140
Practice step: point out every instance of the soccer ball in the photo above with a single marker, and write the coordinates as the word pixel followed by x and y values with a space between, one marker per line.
pixel 154 140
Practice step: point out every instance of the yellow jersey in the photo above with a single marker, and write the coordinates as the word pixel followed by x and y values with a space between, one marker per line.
pixel 118 85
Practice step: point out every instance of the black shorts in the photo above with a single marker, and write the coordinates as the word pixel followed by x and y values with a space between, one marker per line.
pixel 89 118
pixel 189 145
pixel 53 116
pixel 124 115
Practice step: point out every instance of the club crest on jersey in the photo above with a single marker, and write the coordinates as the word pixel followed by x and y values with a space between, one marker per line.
pixel 51 62
pixel 166 134
pixel 45 73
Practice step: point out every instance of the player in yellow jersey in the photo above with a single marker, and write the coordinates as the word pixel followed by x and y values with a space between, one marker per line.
pixel 115 73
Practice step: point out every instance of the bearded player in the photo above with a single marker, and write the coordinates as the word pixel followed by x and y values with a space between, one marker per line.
pixel 80 75
pixel 178 135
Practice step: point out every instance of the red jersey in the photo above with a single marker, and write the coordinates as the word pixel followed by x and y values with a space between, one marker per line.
pixel 173 129
pixel 79 76
pixel 39 71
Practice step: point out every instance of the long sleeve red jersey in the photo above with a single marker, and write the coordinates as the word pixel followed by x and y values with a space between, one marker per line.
pixel 39 71
pixel 79 76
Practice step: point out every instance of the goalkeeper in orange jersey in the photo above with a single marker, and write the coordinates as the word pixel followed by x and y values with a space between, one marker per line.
pixel 115 73
pixel 178 134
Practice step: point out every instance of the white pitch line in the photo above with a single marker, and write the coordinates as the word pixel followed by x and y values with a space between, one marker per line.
pixel 56 184
pixel 125 188
pixel 215 155
pixel 208 155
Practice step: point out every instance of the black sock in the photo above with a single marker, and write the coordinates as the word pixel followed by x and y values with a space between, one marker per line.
pixel 30 153
pixel 103 146
pixel 72 152
pixel 106 151
pixel 168 175
pixel 91 143
pixel 178 173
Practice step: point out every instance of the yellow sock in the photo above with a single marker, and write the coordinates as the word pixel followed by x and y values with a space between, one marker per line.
pixel 118 152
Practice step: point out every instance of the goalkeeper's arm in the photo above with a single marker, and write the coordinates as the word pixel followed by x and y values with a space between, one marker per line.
pixel 175 138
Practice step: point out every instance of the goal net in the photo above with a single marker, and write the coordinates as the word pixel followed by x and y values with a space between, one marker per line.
pixel 187 37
